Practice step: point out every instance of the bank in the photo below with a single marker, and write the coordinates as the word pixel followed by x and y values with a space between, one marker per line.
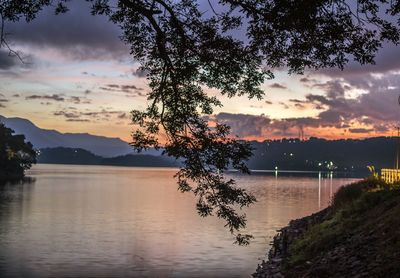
pixel 357 236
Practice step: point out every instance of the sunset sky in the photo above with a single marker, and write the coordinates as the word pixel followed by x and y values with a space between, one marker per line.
pixel 78 77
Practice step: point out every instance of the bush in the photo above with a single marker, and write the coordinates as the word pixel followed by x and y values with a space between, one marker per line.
pixel 349 193
pixel 16 155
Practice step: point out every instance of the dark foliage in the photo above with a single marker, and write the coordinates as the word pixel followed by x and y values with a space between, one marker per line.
pixel 183 50
pixel 62 155
pixel 317 154
pixel 16 155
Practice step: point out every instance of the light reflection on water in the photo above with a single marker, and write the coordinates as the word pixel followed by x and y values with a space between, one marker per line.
pixel 101 221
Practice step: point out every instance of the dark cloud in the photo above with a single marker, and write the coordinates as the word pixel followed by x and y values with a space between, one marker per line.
pixel 333 89
pixel 284 105
pixel 16 95
pixel 112 86
pixel 60 98
pixel 2 105
pixel 123 116
pixel 385 61
pixel 129 90
pixel 268 102
pixel 375 111
pixel 78 120
pixel 68 115
pixel 277 86
pixel 7 61
pixel 73 114
pixel 140 73
pixel 77 33
pixel 360 130
pixel 78 100
pixel 244 125
pixel 299 105
pixel 54 97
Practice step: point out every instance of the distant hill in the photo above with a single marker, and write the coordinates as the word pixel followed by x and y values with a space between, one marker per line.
pixel 45 138
pixel 286 154
pixel 321 154
pixel 62 155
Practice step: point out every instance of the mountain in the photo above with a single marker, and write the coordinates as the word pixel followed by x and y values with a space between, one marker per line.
pixel 285 154
pixel 45 138
pixel 62 155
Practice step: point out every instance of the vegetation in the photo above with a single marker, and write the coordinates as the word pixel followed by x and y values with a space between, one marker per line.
pixel 184 49
pixel 347 155
pixel 359 231
pixel 62 155
pixel 322 155
pixel 16 155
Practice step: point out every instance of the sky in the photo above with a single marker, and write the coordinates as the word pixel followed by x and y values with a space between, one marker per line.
pixel 78 76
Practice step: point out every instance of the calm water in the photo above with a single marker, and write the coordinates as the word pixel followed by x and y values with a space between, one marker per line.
pixel 101 221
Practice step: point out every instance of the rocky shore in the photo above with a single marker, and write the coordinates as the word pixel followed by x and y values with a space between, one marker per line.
pixel 358 236
pixel 279 251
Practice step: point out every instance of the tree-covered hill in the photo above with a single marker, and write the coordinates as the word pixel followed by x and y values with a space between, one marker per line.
pixel 62 155
pixel 321 154
pixel 286 154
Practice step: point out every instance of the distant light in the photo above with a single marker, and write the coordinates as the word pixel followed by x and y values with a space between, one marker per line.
pixel 276 167
pixel 319 164
pixel 291 154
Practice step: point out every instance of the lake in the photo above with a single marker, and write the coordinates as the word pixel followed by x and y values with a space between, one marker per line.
pixel 104 221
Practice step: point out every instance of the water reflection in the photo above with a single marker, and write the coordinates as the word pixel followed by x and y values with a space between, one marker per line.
pixel 115 221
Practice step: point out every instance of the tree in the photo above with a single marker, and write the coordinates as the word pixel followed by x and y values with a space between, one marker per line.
pixel 16 155
pixel 184 50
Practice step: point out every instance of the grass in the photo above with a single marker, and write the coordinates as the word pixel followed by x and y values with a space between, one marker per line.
pixel 364 219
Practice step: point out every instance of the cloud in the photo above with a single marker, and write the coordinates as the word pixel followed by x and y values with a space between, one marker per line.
pixel 78 120
pixel 385 61
pixel 78 100
pixel 68 115
pixel 6 60
pixel 244 125
pixel 277 86
pixel 262 127
pixel 77 34
pixel 129 90
pixel 374 112
pixel 60 98
pixel 284 105
pixel 140 73
pixel 333 89
pixel 123 116
pixel 73 114
pixel 361 130
pixel 54 97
